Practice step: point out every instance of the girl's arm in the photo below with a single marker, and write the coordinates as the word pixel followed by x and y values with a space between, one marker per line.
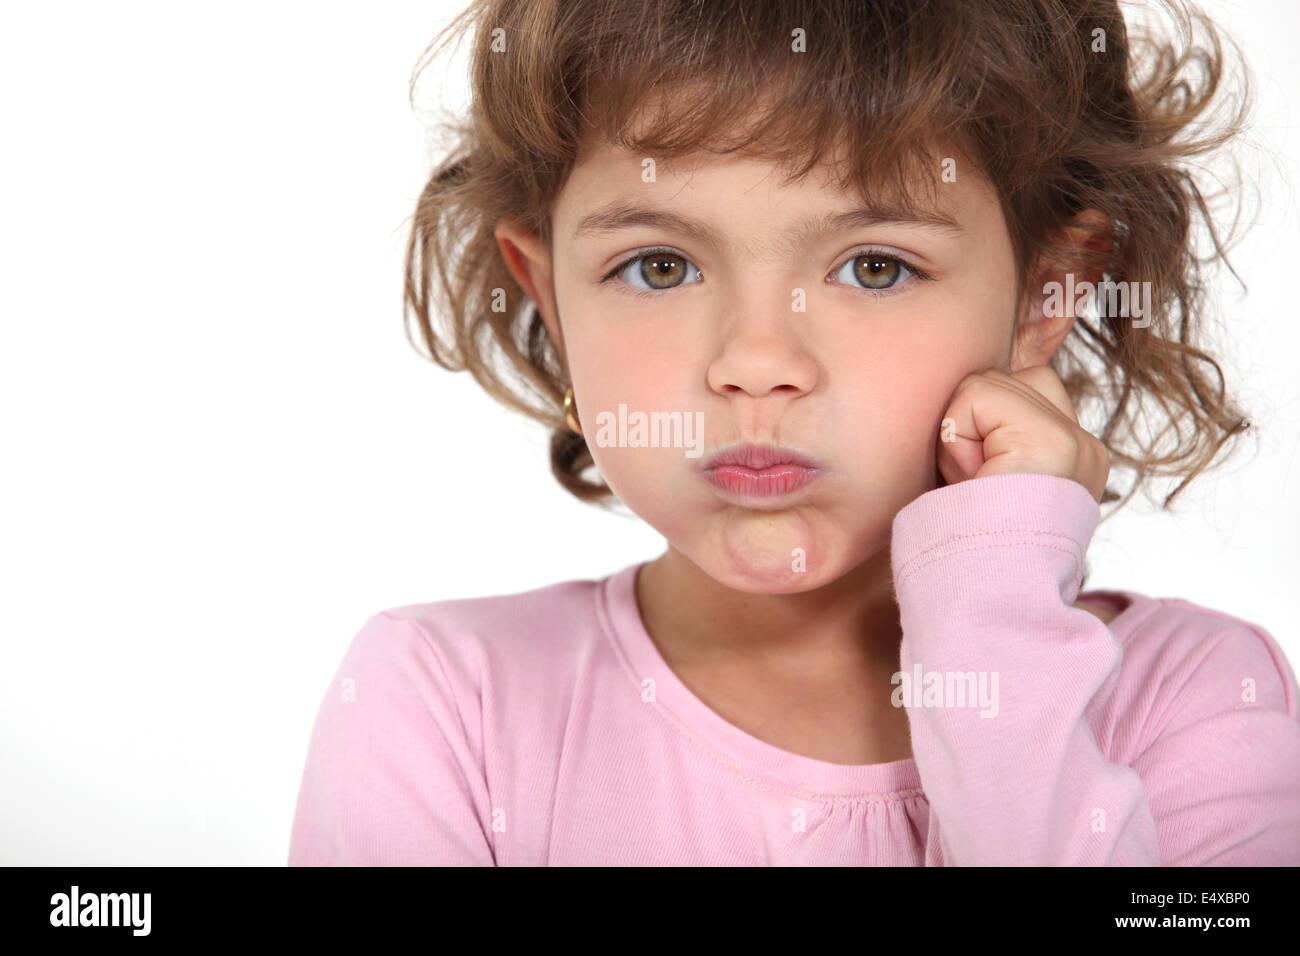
pixel 391 777
pixel 985 573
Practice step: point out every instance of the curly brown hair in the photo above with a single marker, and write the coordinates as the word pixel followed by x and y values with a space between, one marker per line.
pixel 1062 109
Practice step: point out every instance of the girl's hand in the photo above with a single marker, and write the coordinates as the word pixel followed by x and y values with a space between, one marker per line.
pixel 999 423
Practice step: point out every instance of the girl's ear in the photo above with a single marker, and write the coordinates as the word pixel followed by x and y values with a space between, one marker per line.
pixel 1056 283
pixel 529 261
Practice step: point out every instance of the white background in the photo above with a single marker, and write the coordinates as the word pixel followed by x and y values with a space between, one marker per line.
pixel 221 455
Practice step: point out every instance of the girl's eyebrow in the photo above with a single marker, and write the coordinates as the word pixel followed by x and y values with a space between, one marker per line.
pixel 621 214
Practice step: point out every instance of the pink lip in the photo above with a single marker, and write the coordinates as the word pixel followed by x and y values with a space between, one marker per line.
pixel 760 471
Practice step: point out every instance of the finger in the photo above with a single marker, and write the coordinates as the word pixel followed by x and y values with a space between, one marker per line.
pixel 1045 381
pixel 955 466
pixel 959 452
pixel 992 415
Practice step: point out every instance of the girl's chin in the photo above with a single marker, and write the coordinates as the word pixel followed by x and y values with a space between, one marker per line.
pixel 766 558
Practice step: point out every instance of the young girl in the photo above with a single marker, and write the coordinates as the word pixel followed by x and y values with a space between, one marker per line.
pixel 816 289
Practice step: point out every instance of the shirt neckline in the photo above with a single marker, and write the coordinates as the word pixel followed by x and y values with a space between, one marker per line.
pixel 745 754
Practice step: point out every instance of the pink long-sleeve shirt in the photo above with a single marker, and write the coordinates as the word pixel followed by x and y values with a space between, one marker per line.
pixel 544 728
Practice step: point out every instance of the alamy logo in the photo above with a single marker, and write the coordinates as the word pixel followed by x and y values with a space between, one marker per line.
pixel 653 430
pixel 1105 298
pixel 922 688
pixel 101 909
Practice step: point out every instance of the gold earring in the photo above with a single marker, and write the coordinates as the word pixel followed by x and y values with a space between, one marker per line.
pixel 569 412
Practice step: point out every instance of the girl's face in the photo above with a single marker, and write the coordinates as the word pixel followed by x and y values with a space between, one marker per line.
pixel 778 324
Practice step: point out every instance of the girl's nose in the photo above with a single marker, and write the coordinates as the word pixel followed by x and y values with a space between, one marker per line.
pixel 759 358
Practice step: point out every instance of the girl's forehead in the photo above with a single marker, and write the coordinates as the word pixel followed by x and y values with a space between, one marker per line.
pixel 615 187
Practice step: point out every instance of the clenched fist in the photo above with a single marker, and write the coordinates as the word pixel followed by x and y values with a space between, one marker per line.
pixel 999 423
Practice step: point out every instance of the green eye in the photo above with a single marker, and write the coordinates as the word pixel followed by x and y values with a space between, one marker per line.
pixel 876 271
pixel 661 270
pixel 656 270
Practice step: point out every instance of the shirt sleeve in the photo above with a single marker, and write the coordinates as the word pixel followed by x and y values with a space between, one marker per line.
pixel 1222 766
pixel 986 572
pixel 391 778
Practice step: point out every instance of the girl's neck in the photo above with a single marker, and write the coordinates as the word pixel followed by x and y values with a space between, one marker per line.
pixel 846 625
